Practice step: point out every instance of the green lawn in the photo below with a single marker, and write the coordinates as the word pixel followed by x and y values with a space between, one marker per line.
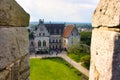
pixel 53 69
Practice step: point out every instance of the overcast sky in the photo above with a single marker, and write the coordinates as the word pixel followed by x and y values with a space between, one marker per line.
pixel 60 10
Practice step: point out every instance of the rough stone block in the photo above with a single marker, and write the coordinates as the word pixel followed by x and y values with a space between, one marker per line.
pixel 11 14
pixel 24 67
pixel 105 55
pixel 4 75
pixel 13 45
pixel 107 14
pixel 25 75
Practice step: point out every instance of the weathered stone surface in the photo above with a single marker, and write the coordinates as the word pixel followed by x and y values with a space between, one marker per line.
pixel 11 14
pixel 24 67
pixel 25 75
pixel 105 44
pixel 107 14
pixel 4 75
pixel 105 55
pixel 14 59
pixel 13 45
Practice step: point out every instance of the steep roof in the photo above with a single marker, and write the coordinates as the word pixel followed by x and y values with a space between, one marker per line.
pixel 55 29
pixel 67 31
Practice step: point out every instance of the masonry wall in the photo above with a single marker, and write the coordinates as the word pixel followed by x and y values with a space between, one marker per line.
pixel 14 58
pixel 105 45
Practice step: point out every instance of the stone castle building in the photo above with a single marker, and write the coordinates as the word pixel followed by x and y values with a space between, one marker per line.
pixel 55 36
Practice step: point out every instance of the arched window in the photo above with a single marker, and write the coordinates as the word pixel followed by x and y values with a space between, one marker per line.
pixel 44 43
pixel 39 43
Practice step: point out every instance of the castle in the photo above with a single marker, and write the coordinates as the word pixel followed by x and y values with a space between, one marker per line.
pixel 54 36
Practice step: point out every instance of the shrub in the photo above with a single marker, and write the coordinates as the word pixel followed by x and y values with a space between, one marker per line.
pixel 86 61
pixel 80 53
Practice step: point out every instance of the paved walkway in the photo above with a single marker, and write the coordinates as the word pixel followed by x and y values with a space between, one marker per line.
pixel 66 58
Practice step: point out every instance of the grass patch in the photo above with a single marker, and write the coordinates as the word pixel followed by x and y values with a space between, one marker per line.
pixel 53 69
pixel 77 57
pixel 81 57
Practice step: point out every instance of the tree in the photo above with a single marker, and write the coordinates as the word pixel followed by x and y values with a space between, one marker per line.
pixel 86 37
pixel 31 35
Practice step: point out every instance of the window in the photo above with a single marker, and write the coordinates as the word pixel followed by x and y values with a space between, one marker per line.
pixel 55 31
pixel 72 34
pixel 44 43
pixel 59 31
pixel 53 41
pixel 60 47
pixel 59 41
pixel 43 34
pixel 50 46
pixel 39 34
pixel 65 41
pixel 39 43
pixel 56 40
pixel 72 41
pixel 53 47
pixel 56 47
pixel 49 40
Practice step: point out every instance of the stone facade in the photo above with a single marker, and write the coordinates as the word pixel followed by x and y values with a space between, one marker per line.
pixel 14 58
pixel 54 36
pixel 72 38
pixel 105 45
pixel 50 34
pixel 41 39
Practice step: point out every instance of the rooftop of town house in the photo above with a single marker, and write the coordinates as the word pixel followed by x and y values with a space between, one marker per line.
pixel 67 31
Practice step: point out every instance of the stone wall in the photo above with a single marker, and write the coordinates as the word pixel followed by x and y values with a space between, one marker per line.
pixel 105 45
pixel 14 58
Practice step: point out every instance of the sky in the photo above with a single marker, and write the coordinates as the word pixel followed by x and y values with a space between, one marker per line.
pixel 59 10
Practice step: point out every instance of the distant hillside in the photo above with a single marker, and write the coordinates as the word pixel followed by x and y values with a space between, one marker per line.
pixel 81 25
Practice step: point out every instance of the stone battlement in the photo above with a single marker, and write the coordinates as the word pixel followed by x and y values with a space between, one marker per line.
pixel 14 43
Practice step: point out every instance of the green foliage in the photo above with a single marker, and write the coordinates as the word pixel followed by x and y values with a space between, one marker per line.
pixel 85 38
pixel 53 69
pixel 31 35
pixel 86 61
pixel 80 53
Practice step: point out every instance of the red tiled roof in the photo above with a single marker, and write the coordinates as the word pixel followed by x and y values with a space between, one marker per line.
pixel 67 31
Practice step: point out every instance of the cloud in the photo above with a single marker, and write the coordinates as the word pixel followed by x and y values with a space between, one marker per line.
pixel 59 10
